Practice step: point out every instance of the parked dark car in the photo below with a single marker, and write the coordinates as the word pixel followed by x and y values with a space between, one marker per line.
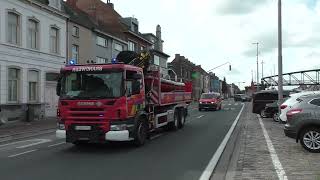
pixel 261 98
pixel 303 122
pixel 272 110
pixel 238 97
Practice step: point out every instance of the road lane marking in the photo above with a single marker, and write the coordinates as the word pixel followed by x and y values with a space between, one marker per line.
pixel 15 155
pixel 236 104
pixel 3 145
pixel 156 136
pixel 275 160
pixel 206 174
pixel 57 144
pixel 229 104
pixel 200 116
pixel 232 109
pixel 41 141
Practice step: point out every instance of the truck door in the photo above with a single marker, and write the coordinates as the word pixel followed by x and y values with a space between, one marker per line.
pixel 134 92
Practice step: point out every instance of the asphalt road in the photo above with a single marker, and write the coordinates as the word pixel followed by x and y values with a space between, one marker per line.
pixel 180 155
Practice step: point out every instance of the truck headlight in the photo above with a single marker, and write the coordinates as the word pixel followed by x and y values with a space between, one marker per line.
pixel 118 127
pixel 61 126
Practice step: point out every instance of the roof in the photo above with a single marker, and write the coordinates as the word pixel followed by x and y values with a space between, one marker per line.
pixel 78 16
pixel 159 52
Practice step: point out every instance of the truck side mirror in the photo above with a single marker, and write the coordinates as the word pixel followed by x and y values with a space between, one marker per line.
pixel 58 88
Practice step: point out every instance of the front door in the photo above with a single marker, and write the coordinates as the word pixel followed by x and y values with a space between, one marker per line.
pixel 51 100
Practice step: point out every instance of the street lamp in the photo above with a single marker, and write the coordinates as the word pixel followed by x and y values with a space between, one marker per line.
pixel 220 66
pixel 257 64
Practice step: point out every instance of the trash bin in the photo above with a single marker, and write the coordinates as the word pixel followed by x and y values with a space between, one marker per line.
pixel 30 113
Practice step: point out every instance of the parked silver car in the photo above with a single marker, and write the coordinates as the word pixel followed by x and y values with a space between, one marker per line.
pixel 303 122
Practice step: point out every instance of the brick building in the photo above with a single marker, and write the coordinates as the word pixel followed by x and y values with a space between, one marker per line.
pixel 111 22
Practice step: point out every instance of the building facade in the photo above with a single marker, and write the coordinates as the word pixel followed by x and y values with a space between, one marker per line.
pixel 32 51
pixel 112 23
pixel 88 42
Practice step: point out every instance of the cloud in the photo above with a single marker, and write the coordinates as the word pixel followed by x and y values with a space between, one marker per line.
pixel 237 7
pixel 212 32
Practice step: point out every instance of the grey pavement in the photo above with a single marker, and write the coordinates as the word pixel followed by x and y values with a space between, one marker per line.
pixel 21 129
pixel 247 155
pixel 180 155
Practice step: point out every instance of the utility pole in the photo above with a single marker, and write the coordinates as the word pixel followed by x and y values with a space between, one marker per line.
pixel 280 83
pixel 252 75
pixel 257 64
pixel 262 62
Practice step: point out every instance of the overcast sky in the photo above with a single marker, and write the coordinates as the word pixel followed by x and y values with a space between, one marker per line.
pixel 211 32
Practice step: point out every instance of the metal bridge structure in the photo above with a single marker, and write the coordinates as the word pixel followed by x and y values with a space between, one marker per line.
pixel 308 77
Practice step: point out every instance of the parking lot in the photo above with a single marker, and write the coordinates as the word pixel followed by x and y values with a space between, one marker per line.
pixel 262 151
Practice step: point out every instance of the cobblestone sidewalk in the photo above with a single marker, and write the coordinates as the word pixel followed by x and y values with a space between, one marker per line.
pixel 254 160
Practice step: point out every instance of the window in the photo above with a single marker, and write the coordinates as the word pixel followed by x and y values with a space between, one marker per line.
pixel 156 60
pixel 142 48
pixel 133 86
pixel 75 53
pixel 102 41
pixel 75 31
pixel 135 27
pixel 33 79
pixel 315 102
pixel 118 47
pixel 33 34
pixel 100 60
pixel 13 35
pixel 55 3
pixel 54 40
pixel 153 42
pixel 52 76
pixel 13 84
pixel 131 46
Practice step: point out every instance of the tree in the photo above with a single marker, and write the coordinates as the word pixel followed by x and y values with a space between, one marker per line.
pixel 224 86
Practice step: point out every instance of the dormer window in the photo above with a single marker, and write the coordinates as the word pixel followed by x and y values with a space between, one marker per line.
pixel 135 27
pixel 54 3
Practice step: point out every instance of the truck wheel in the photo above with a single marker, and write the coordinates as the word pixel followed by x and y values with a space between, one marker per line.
pixel 141 133
pixel 310 139
pixel 182 118
pixel 173 126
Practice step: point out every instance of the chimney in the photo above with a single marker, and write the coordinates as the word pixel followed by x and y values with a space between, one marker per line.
pixel 110 4
pixel 72 3
pixel 177 56
pixel 158 34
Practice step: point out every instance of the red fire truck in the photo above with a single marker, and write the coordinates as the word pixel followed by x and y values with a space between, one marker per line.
pixel 122 101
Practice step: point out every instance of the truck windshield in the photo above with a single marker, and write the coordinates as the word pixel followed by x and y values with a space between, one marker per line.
pixel 82 85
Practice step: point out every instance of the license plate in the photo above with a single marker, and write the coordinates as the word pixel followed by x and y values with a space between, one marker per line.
pixel 82 128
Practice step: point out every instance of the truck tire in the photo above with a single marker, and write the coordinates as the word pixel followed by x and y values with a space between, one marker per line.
pixel 182 119
pixel 173 126
pixel 141 133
